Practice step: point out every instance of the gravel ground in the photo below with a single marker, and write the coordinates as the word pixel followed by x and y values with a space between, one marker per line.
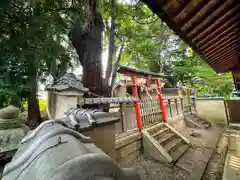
pixel 153 170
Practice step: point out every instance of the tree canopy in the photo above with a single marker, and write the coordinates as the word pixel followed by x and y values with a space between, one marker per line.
pixel 46 38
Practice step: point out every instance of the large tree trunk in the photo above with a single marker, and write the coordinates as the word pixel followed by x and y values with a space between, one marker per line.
pixel 34 117
pixel 114 70
pixel 87 40
pixel 111 44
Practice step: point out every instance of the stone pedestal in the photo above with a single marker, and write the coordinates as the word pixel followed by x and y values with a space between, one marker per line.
pixel 104 138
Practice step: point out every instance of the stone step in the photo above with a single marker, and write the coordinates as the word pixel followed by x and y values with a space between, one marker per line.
pixel 173 144
pixel 160 144
pixel 166 138
pixel 163 130
pixel 177 154
pixel 195 122
pixel 195 161
pixel 156 129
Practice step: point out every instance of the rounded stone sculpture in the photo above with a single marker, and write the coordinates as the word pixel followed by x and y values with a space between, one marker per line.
pixel 9 112
pixel 12 130
pixel 53 151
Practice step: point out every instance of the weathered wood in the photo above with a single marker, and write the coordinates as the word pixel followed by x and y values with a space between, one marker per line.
pixel 218 23
pixel 231 52
pixel 124 151
pixel 224 41
pixel 232 46
pixel 210 18
pixel 207 44
pixel 187 12
pixel 200 15
pixel 128 139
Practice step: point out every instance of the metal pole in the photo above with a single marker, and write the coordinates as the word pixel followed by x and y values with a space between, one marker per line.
pixel 137 107
pixel 160 98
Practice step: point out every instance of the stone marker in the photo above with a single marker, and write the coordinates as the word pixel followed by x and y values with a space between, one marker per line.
pixel 9 112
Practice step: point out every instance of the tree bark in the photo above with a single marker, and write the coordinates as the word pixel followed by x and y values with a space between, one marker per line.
pixel 111 45
pixel 114 71
pixel 87 41
pixel 34 117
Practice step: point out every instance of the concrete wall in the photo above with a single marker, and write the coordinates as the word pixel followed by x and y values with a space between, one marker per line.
pixel 212 109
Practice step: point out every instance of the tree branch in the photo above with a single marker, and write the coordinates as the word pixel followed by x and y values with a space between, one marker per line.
pixel 114 72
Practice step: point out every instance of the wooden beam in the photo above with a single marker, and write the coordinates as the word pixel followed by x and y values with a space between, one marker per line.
pixel 224 61
pixel 188 11
pixel 173 7
pixel 217 23
pixel 216 38
pixel 230 53
pixel 221 46
pixel 230 46
pixel 210 18
pixel 224 65
pixel 223 27
pixel 200 14
pixel 227 64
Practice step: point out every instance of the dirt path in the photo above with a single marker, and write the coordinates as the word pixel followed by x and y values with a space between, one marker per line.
pixel 153 170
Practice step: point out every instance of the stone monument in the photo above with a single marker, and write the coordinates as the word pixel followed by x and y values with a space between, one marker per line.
pixel 63 95
pixel 56 151
pixel 12 130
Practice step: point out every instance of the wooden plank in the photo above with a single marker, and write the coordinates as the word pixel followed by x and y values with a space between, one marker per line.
pixel 173 7
pixel 206 43
pixel 211 17
pixel 232 51
pixel 218 23
pixel 130 148
pixel 232 46
pixel 179 134
pixel 125 162
pixel 225 62
pixel 186 13
pixel 128 139
pixel 154 148
pixel 200 15
pixel 225 65
pixel 223 27
pixel 229 46
pixel 214 45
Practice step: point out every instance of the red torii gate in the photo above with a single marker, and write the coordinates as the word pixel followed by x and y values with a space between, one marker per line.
pixel 134 74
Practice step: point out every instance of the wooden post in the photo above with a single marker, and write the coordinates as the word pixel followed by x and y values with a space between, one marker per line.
pixel 160 99
pixel 176 103
pixel 123 123
pixel 137 107
pixel 170 107
pixel 189 99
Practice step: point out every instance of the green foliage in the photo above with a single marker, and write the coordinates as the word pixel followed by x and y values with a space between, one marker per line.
pixel 152 46
pixel 33 38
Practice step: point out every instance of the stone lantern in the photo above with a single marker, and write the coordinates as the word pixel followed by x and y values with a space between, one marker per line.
pixel 64 94
pixel 63 97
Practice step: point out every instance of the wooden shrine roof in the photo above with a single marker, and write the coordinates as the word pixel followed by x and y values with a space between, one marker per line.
pixel 210 27
pixel 129 71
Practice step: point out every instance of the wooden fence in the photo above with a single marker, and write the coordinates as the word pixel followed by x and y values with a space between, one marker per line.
pixel 150 113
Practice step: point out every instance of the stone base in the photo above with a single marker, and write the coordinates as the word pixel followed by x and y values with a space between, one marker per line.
pixel 104 138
